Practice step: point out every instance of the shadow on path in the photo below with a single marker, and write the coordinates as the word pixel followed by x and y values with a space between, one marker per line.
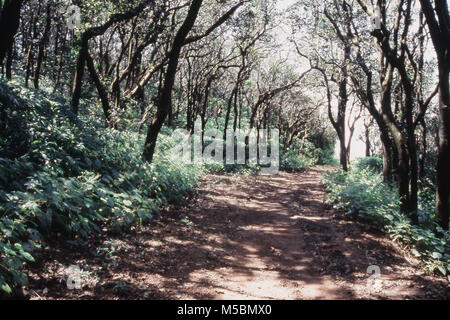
pixel 265 237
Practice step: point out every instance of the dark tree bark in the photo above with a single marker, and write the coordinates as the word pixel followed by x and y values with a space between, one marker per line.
pixel 367 138
pixel 438 21
pixel 9 61
pixel 28 64
pixel 164 103
pixel 62 51
pixel 407 168
pixel 423 151
pixel 339 122
pixel 33 27
pixel 103 94
pixel 79 73
pixel 9 23
pixel 41 47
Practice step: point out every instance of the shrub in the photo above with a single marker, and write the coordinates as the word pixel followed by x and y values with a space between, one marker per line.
pixel 292 161
pixel 374 164
pixel 326 156
pixel 301 155
pixel 361 194
pixel 77 178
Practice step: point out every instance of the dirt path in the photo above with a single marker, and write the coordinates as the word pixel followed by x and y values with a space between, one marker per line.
pixel 245 238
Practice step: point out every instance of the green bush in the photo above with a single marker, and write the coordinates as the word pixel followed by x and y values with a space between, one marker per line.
pixel 292 161
pixel 77 178
pixel 303 154
pixel 370 163
pixel 326 156
pixel 361 194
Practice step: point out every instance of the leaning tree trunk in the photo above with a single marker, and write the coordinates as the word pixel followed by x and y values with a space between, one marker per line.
pixel 101 92
pixel 165 98
pixel 83 50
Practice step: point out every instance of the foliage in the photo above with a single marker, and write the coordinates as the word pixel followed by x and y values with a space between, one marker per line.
pixel 374 164
pixel 361 194
pixel 292 161
pixel 305 154
pixel 326 155
pixel 76 179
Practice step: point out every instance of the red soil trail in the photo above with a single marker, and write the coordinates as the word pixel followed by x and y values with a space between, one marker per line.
pixel 246 237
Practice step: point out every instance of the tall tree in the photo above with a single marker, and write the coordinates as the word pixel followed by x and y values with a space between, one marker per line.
pixel 438 21
pixel 164 98
pixel 164 103
pixel 9 23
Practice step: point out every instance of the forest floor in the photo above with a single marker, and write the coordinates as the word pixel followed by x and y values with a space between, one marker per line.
pixel 241 237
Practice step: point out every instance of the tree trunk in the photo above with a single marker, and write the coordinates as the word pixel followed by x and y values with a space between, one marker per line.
pixel 28 63
pixel 101 92
pixel 9 23
pixel 9 61
pixel 423 151
pixel 63 49
pixel 42 44
pixel 165 98
pixel 387 158
pixel 367 138
pixel 78 79
pixel 228 113
pixel 83 50
pixel 342 107
pixel 443 165
pixel 438 21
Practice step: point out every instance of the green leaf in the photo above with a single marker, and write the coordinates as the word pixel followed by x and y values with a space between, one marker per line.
pixel 27 256
pixel 6 288
pixel 20 278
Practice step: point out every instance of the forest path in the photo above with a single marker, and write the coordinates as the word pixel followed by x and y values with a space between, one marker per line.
pixel 255 237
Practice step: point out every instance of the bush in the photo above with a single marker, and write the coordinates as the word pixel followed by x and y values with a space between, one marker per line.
pixel 305 154
pixel 76 178
pixel 361 194
pixel 374 164
pixel 326 156
pixel 292 161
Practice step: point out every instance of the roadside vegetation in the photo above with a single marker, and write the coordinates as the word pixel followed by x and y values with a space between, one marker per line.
pixel 362 194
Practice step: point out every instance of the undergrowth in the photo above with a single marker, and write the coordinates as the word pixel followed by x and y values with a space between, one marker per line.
pixel 305 154
pixel 73 177
pixel 362 194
